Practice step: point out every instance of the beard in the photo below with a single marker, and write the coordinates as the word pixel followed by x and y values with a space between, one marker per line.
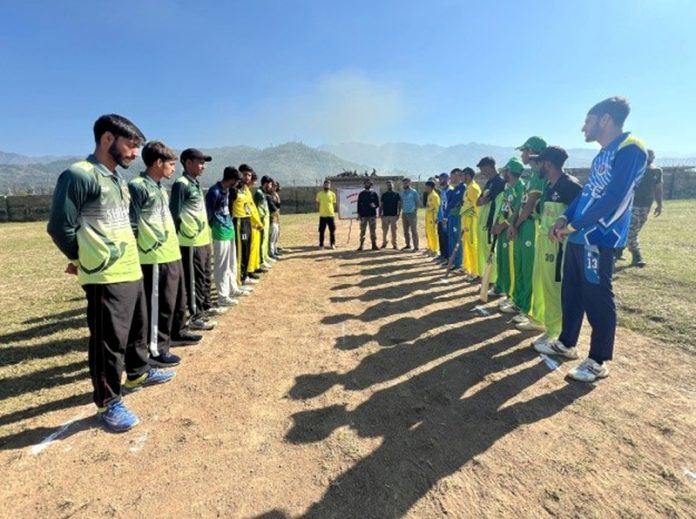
pixel 118 157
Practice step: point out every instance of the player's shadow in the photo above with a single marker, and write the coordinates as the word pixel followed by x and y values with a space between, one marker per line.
pixel 58 375
pixel 392 292
pixel 430 425
pixel 383 279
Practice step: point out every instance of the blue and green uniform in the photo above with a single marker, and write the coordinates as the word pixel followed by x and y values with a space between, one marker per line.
pixel 524 243
pixel 455 201
pixel 599 219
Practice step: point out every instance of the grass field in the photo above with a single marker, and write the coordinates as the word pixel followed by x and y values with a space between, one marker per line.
pixel 373 371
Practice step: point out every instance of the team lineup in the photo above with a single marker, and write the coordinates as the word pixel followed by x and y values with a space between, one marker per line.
pixel 532 236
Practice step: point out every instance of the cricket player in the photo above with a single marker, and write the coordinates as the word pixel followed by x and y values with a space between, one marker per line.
pixel 514 189
pixel 487 209
pixel 523 231
pixel 597 224
pixel 561 190
pixel 432 207
pixel 470 226
pixel 445 187
pixel 455 201
pixel 89 222
pixel 326 204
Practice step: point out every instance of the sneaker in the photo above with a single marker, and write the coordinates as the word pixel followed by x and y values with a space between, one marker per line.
pixel 165 360
pixel 260 270
pixel 152 377
pixel 200 324
pixel 218 310
pixel 117 417
pixel 360 249
pixel 227 301
pixel 266 265
pixel 253 275
pixel 589 370
pixel 504 301
pixel 271 260
pixel 415 249
pixel 374 246
pixel 241 293
pixel 531 326
pixel 384 245
pixel 246 288
pixel 186 339
pixel 509 308
pixel 520 318
pixel 493 293
pixel 556 348
pixel 544 337
pixel 251 281
pixel 333 247
pixel 408 247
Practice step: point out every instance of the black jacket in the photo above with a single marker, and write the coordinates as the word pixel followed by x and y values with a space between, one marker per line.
pixel 365 199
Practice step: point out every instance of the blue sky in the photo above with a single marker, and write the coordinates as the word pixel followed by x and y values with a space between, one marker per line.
pixel 265 72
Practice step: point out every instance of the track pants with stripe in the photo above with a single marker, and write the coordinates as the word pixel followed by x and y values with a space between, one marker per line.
pixel 470 244
pixel 504 258
pixel 524 265
pixel 225 269
pixel 197 274
pixel 117 321
pixel 484 242
pixel 587 289
pixel 454 237
pixel 442 238
pixel 548 273
pixel 242 231
pixel 165 293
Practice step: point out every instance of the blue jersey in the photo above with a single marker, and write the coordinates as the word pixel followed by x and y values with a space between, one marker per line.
pixel 444 194
pixel 602 213
pixel 455 199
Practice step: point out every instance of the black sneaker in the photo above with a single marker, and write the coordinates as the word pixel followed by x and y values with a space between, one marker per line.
pixel 186 339
pixel 408 247
pixel 253 275
pixel 166 360
pixel 260 270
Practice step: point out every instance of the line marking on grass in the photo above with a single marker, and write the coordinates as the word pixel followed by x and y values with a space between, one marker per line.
pixel 48 440
pixel 139 442
pixel 690 474
pixel 552 364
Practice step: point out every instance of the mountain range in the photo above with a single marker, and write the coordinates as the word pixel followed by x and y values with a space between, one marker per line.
pixel 295 163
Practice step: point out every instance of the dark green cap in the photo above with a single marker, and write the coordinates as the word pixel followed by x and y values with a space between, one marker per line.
pixel 534 144
pixel 514 166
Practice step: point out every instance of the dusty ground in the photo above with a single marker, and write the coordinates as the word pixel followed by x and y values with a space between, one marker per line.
pixel 370 389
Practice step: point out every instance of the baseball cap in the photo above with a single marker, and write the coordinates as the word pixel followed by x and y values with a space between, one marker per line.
pixel 446 175
pixel 554 154
pixel 486 161
pixel 534 144
pixel 514 166
pixel 193 153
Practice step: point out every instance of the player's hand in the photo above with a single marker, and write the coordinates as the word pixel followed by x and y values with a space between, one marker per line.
pixel 658 210
pixel 512 232
pixel 559 229
pixel 71 269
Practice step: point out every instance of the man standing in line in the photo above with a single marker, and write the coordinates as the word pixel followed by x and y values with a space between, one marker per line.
pixel 255 268
pixel 432 206
pixel 561 190
pixel 389 211
pixel 648 190
pixel 187 205
pixel 455 202
pixel 514 188
pixel 368 204
pixel 597 224
pixel 487 209
pixel 89 222
pixel 262 205
pixel 523 231
pixel 326 205
pixel 217 206
pixel 160 256
pixel 274 208
pixel 444 184
pixel 244 219
pixel 409 214
pixel 470 225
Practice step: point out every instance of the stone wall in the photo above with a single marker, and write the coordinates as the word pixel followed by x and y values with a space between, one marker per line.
pixel 679 183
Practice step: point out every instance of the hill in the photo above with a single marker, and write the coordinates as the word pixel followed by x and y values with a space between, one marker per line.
pixel 290 163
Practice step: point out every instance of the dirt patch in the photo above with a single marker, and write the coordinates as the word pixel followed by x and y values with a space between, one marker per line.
pixel 372 390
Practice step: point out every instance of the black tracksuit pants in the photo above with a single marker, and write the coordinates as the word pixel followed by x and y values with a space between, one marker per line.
pixel 165 293
pixel 242 229
pixel 198 278
pixel 117 321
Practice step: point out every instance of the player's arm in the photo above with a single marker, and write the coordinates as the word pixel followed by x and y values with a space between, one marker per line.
pixel 73 190
pixel 176 202
pixel 658 191
pixel 136 206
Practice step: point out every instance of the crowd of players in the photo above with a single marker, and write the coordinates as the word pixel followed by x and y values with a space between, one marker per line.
pixel 552 242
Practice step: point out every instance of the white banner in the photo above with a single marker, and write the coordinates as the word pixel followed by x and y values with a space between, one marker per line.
pixel 348 202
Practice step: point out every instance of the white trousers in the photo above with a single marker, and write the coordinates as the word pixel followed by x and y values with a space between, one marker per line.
pixel 225 266
pixel 273 242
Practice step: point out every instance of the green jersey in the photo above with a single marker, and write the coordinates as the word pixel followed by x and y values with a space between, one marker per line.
pixel 152 222
pixel 188 211
pixel 89 222
pixel 512 201
pixel 536 184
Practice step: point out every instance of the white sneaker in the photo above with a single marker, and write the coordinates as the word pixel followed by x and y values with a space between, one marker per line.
pixel 504 301
pixel 266 265
pixel 520 318
pixel 589 371
pixel 217 310
pixel 493 293
pixel 530 325
pixel 227 301
pixel 252 281
pixel 241 293
pixel 510 308
pixel 556 348
pixel 544 337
